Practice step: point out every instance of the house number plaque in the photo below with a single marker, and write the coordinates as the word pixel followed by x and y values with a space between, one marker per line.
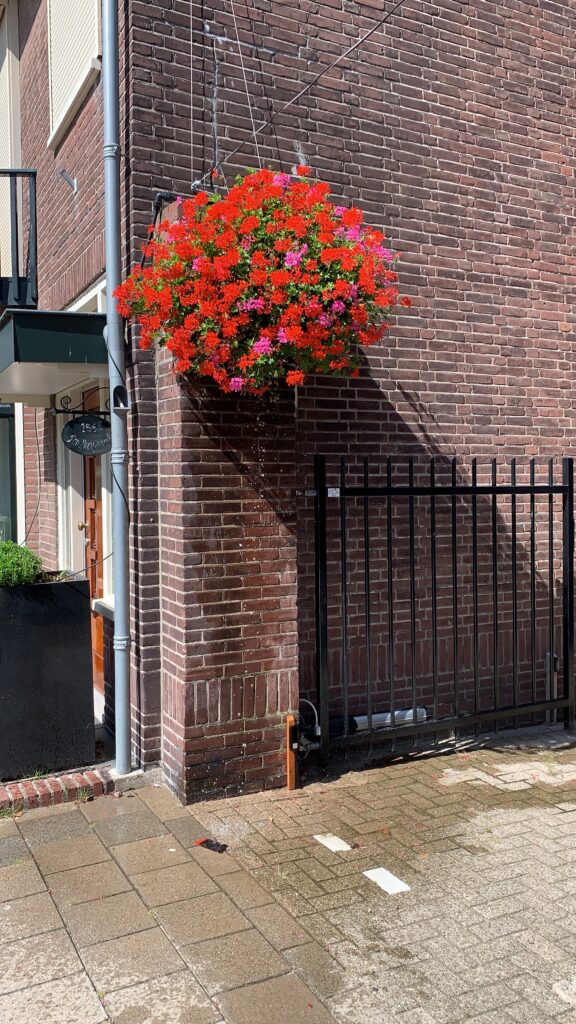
pixel 88 435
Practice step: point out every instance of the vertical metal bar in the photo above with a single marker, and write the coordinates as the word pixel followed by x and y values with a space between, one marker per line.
pixel 367 608
pixel 551 689
pixel 495 612
pixel 568 590
pixel 390 560
pixel 514 591
pixel 344 673
pixel 321 578
pixel 32 240
pixel 14 237
pixel 532 583
pixel 434 588
pixel 454 547
pixel 475 637
pixel 412 590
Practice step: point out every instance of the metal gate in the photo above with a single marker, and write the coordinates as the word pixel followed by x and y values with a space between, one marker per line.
pixel 444 597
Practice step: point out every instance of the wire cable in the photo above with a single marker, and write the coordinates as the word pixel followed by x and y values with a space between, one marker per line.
pixel 305 89
pixel 248 100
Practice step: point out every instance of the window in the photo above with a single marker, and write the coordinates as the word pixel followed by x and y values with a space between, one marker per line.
pixel 73 51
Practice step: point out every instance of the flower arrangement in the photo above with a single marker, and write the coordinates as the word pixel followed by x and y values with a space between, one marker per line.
pixel 267 283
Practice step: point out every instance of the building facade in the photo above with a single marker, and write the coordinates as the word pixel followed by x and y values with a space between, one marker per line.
pixel 453 126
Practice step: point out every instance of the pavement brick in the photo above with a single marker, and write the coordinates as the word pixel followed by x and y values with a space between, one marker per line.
pixel 278 926
pixel 63 1001
pixel 244 890
pixel 204 917
pixel 128 828
pixel 81 885
pixel 46 956
pixel 70 853
pixel 107 918
pixel 149 854
pixel 130 960
pixel 39 830
pixel 169 885
pixel 176 999
pixel 20 879
pixel 231 961
pixel 29 915
pixel 274 1002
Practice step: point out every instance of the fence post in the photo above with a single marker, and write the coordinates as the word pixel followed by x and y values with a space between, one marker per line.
pixel 568 590
pixel 320 565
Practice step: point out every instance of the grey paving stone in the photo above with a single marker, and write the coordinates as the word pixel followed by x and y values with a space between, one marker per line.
pixel 150 854
pixel 80 885
pixel 130 960
pixel 20 879
pixel 204 917
pixel 186 829
pixel 12 850
pixel 39 830
pixel 68 1000
pixel 29 915
pixel 245 892
pixel 161 801
pixel 107 918
pixel 70 853
pixel 46 957
pixel 230 961
pixel 318 969
pixel 276 1001
pixel 278 926
pixel 176 999
pixel 170 885
pixel 128 828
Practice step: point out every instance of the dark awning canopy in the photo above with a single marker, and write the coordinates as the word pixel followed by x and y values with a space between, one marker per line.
pixel 42 353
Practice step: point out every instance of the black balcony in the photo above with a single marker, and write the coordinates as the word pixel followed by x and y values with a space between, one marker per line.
pixel 18 240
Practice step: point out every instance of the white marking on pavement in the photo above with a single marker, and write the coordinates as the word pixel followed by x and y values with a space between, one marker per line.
pixel 386 880
pixel 333 843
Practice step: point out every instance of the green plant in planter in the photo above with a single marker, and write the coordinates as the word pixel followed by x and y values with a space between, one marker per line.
pixel 18 565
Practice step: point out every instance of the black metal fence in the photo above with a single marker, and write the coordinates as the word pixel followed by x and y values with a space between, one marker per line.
pixel 444 596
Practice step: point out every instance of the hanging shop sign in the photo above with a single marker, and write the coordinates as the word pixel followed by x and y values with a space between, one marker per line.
pixel 89 434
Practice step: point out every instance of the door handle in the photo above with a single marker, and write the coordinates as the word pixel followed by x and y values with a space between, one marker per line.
pixel 82 526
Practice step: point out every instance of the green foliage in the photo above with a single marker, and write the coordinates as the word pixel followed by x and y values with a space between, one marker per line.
pixel 18 565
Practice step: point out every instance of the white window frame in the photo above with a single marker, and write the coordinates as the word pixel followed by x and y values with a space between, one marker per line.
pixel 79 91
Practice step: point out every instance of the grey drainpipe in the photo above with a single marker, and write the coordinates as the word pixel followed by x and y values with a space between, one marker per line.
pixel 118 389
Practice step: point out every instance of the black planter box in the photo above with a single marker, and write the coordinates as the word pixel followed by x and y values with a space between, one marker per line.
pixel 46 699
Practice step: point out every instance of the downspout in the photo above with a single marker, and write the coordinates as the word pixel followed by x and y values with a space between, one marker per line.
pixel 118 390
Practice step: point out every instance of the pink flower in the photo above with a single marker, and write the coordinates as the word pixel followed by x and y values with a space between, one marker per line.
pixel 179 200
pixel 250 304
pixel 338 306
pixel 354 234
pixel 263 346
pixel 236 383
pixel 294 258
pixel 325 320
pixel 283 338
pixel 281 179
pixel 339 210
pixel 383 253
pixel 197 263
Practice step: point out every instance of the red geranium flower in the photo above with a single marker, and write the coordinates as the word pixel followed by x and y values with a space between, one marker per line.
pixel 266 284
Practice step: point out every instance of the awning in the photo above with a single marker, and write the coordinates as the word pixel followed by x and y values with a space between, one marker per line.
pixel 42 353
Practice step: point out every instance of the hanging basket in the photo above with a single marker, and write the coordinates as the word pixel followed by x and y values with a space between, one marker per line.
pixel 268 283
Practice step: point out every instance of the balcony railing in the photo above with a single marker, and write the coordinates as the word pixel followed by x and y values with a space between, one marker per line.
pixel 18 239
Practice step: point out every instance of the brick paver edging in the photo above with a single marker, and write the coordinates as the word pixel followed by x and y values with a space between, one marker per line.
pixel 57 789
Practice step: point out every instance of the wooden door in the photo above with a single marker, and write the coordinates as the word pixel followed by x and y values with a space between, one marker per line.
pixel 94 567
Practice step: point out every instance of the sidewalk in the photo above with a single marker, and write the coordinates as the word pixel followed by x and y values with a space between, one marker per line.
pixel 110 913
